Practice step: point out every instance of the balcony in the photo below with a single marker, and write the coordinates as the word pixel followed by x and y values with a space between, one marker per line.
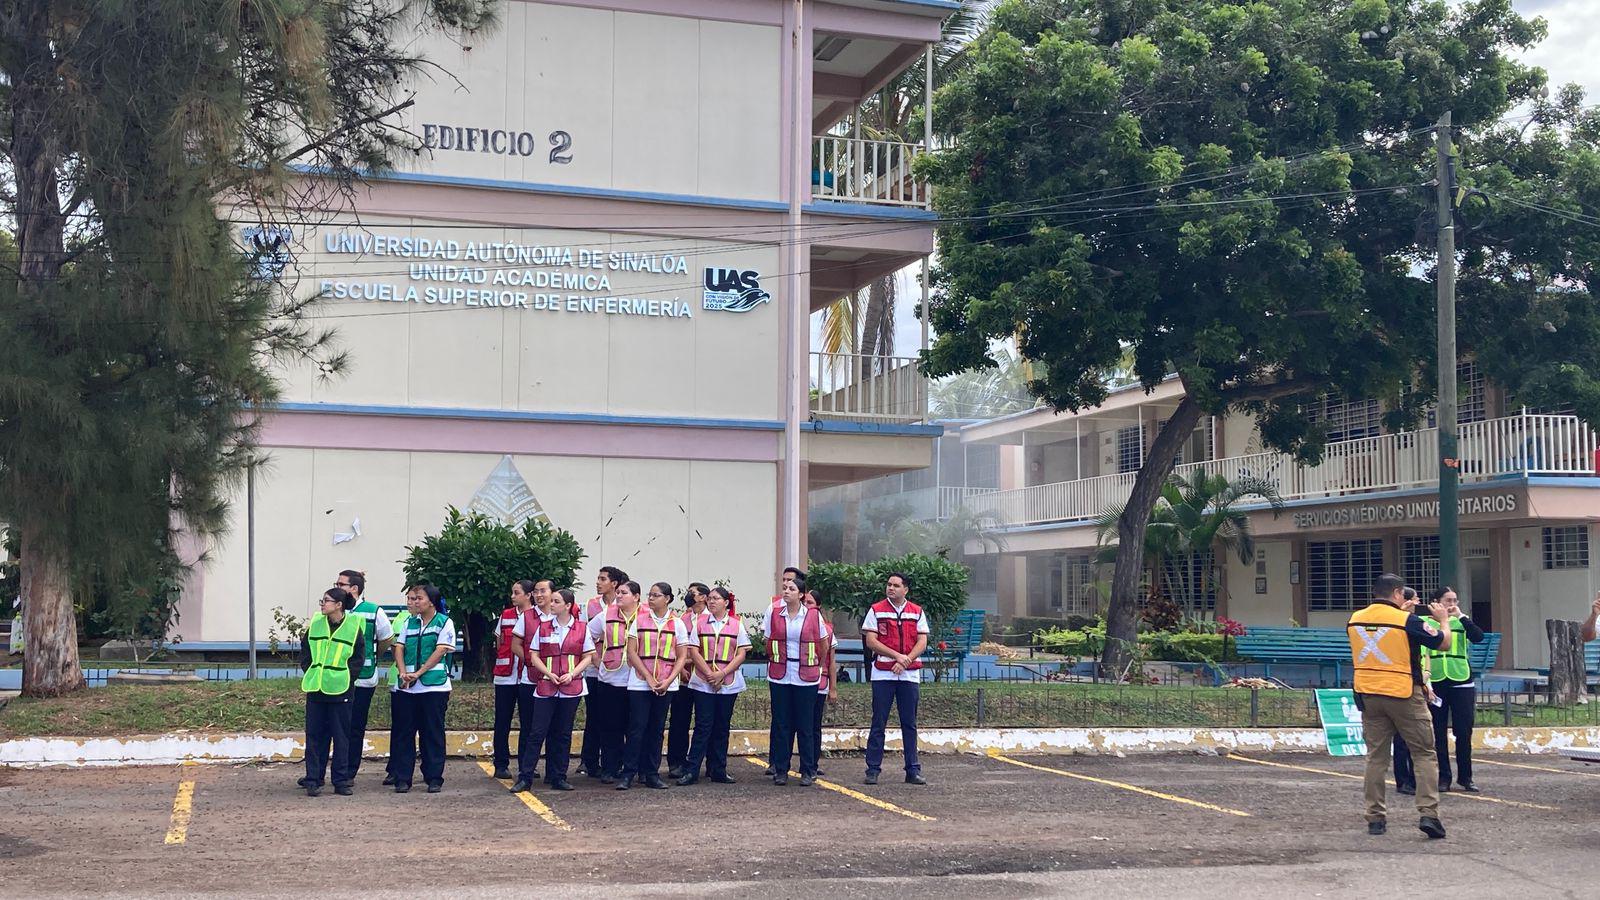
pixel 1516 446
pixel 852 387
pixel 856 170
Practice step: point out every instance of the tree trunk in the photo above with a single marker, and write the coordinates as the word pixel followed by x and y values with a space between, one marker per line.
pixel 1567 681
pixel 1121 619
pixel 50 661
pixel 50 657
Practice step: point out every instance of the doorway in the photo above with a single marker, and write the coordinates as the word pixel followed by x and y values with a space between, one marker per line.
pixel 1478 589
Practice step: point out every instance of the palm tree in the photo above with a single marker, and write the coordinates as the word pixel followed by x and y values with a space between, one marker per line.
pixel 944 537
pixel 1194 521
pixel 985 393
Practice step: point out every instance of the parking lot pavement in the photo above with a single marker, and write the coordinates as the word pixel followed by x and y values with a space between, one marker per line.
pixel 1183 825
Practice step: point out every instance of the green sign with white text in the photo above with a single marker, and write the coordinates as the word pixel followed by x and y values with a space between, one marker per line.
pixel 1341 723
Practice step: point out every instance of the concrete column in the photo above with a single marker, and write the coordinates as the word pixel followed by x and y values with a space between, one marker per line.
pixel 1299 604
pixel 1502 602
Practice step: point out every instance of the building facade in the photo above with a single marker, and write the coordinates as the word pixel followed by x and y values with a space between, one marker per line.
pixel 1529 504
pixel 587 299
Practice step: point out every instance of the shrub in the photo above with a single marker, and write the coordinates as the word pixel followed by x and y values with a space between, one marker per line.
pixel 938 585
pixel 473 560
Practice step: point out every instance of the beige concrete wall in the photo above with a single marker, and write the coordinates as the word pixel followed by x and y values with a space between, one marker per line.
pixel 552 353
pixel 1272 608
pixel 652 103
pixel 1539 594
pixel 660 520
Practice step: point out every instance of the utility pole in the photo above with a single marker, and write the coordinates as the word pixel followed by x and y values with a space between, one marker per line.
pixel 1449 458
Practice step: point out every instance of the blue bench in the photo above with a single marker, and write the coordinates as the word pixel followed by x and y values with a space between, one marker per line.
pixel 1324 647
pixel 960 636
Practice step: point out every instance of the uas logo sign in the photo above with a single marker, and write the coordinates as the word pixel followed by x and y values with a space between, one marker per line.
pixel 734 290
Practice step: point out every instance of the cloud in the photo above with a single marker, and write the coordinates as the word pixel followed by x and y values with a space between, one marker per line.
pixel 1572 51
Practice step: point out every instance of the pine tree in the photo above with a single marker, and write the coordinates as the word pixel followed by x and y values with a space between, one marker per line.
pixel 140 340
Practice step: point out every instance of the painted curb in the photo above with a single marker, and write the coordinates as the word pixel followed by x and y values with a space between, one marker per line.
pixel 171 749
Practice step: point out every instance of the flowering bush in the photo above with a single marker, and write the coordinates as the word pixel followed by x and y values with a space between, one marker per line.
pixel 1230 627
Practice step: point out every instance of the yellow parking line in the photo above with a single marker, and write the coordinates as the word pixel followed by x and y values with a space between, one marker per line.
pixel 995 755
pixel 1490 762
pixel 857 795
pixel 1279 765
pixel 529 800
pixel 182 810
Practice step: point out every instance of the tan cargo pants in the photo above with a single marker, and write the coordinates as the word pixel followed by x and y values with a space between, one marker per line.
pixel 1381 719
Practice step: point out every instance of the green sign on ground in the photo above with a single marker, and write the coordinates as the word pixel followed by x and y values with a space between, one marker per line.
pixel 1341 723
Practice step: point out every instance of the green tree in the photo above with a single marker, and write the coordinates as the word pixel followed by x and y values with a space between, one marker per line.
pixel 1198 518
pixel 474 559
pixel 938 585
pixel 1233 193
pixel 139 345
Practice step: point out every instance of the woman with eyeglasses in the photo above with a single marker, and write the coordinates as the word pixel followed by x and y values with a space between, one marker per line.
pixel 608 702
pixel 331 655
pixel 656 655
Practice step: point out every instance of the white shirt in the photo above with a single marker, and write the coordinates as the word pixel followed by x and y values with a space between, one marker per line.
pixel 516 664
pixel 635 682
pixel 733 685
pixel 447 640
pixel 791 644
pixel 382 631
pixel 597 633
pixel 871 624
pixel 558 634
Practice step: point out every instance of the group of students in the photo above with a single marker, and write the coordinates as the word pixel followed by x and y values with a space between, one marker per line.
pixel 644 668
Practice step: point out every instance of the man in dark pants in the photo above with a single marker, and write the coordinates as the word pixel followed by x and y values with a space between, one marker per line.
pixel 895 632
pixel 330 656
pixel 606 583
pixel 377 639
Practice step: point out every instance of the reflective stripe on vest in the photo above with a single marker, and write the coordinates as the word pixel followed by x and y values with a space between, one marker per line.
pixel 718 645
pixel 810 668
pixel 330 655
pixel 1451 663
pixel 560 658
pixel 368 611
pixel 420 642
pixel 658 643
pixel 897 630
pixel 615 637
pixel 1381 651
pixel 398 623
pixel 504 664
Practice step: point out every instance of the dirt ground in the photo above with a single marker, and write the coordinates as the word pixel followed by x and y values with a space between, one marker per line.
pixel 982 826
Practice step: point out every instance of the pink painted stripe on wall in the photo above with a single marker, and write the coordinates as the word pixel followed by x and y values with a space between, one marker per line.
pixel 344 431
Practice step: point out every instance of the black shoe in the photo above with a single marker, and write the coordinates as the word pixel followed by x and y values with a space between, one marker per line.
pixel 521 786
pixel 501 774
pixel 313 789
pixel 1431 827
pixel 820 773
pixel 769 772
pixel 915 778
pixel 675 772
pixel 388 780
pixel 582 771
pixel 1377 828
pixel 686 780
pixel 780 779
pixel 1469 787
pixel 807 780
pixel 724 778
pixel 654 781
pixel 1444 788
pixel 626 783
pixel 608 779
pixel 402 787
pixel 534 774
pixel 872 778
pixel 435 787
pixel 304 782
pixel 343 790
pixel 562 785
pixel 1409 790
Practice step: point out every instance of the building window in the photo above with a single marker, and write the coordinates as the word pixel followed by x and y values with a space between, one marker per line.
pixel 1190 584
pixel 1566 547
pixel 1130 448
pixel 1420 563
pixel 1079 595
pixel 1340 573
pixel 1345 420
pixel 1471 393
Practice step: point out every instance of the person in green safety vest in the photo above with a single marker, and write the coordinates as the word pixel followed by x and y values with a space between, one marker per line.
pixel 1457 690
pixel 421 652
pixel 378 637
pixel 331 656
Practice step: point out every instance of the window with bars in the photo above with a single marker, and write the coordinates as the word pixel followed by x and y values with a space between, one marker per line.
pixel 1420 562
pixel 1566 547
pixel 1339 574
pixel 1130 448
pixel 1078 593
pixel 1472 393
pixel 1198 446
pixel 1345 420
